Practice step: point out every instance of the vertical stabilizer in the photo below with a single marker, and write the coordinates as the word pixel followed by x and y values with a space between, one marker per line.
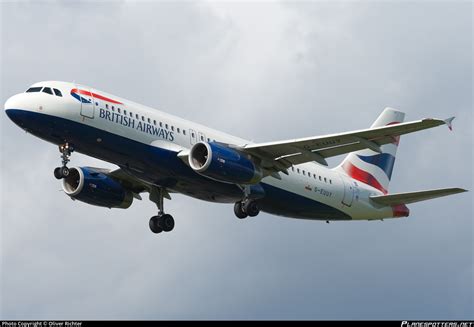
pixel 370 167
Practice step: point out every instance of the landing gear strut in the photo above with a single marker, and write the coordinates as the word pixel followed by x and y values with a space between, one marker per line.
pixel 162 222
pixel 61 172
pixel 246 208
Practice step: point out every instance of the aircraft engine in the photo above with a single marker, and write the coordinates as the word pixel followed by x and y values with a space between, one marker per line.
pixel 96 188
pixel 222 163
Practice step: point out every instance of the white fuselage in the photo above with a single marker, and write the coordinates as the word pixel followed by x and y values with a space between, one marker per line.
pixel 158 129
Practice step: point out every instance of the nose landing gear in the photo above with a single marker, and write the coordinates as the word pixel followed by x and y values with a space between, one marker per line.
pixel 61 172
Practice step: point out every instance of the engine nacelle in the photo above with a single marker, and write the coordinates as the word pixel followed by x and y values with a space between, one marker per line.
pixel 224 164
pixel 96 188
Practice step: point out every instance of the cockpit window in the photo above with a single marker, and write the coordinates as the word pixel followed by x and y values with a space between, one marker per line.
pixel 57 92
pixel 48 90
pixel 34 89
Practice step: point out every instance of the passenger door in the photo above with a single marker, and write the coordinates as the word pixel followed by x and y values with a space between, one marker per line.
pixel 192 136
pixel 202 137
pixel 349 190
pixel 87 103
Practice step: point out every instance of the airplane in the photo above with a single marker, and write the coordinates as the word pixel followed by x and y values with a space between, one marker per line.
pixel 161 154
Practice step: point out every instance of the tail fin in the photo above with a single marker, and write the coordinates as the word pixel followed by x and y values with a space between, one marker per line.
pixel 372 168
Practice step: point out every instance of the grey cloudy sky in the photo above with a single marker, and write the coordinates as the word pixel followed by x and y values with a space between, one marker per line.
pixel 263 71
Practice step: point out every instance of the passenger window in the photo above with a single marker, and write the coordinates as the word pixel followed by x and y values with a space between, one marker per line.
pixel 166 126
pixel 97 104
pixel 125 112
pixel 298 170
pixel 293 168
pixel 320 178
pixel 57 92
pixel 325 181
pixel 161 124
pixel 106 106
pixel 131 114
pixel 330 181
pixel 34 89
pixel 192 134
pixel 178 130
pixel 172 128
pixel 113 108
pixel 202 138
pixel 304 174
pixel 149 121
pixel 143 118
pixel 48 90
pixel 208 140
pixel 154 122
pixel 118 110
pixel 184 132
pixel 136 116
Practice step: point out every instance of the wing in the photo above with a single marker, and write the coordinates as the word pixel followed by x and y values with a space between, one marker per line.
pixel 278 156
pixel 131 182
pixel 128 181
pixel 412 197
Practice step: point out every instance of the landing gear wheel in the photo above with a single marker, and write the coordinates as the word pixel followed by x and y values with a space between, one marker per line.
pixel 238 210
pixel 64 172
pixel 162 222
pixel 57 173
pixel 166 222
pixel 154 225
pixel 251 208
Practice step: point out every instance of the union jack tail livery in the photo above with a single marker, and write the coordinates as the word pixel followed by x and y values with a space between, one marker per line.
pixel 374 166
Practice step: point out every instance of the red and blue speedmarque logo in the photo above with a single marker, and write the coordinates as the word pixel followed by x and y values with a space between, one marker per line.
pixel 76 93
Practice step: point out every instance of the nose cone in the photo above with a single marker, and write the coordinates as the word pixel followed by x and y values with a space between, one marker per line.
pixel 13 102
pixel 14 108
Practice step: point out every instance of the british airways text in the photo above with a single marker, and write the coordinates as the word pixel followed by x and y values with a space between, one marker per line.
pixel 136 124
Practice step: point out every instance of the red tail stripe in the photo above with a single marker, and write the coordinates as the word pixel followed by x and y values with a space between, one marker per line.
pixel 362 176
pixel 95 95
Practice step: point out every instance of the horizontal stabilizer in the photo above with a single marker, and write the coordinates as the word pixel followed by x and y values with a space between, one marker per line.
pixel 411 197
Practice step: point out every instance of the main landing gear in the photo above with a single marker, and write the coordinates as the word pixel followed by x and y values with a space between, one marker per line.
pixel 162 222
pixel 246 208
pixel 61 172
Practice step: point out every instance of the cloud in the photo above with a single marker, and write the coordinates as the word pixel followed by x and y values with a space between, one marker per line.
pixel 266 72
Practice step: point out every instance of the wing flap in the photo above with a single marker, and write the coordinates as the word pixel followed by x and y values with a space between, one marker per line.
pixel 412 197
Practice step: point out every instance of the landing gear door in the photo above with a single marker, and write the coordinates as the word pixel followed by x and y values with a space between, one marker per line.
pixel 87 102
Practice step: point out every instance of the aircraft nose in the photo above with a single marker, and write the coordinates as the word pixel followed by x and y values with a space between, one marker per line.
pixel 13 108
pixel 13 102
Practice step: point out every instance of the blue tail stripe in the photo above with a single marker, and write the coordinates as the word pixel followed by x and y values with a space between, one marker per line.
pixel 384 161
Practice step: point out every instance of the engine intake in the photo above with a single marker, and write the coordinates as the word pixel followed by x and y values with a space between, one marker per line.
pixel 96 188
pixel 224 164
